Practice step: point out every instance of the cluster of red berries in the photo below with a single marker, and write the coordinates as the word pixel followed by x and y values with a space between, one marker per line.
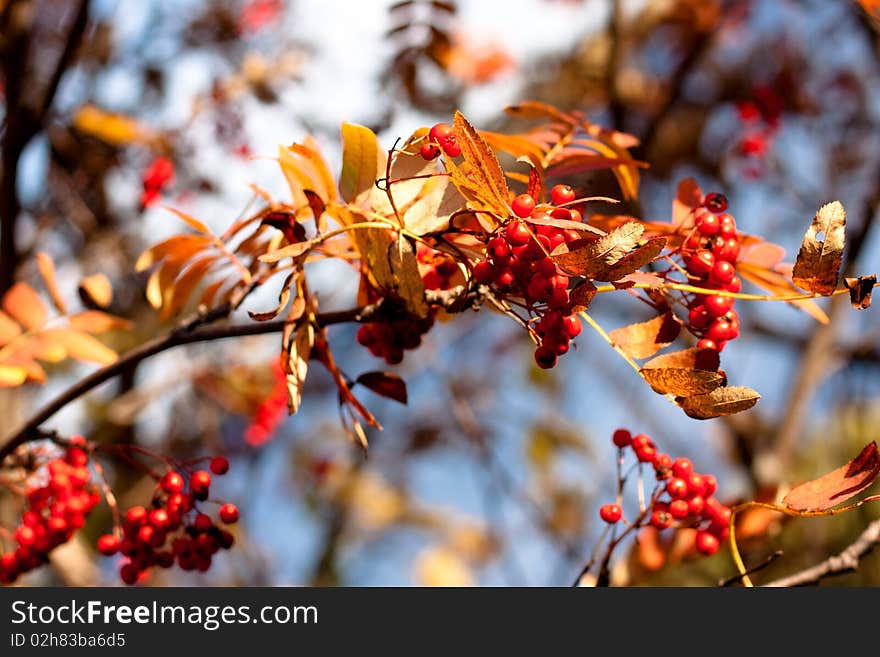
pixel 685 500
pixel 760 120
pixel 389 339
pixel 155 178
pixel 173 529
pixel 710 255
pixel 518 265
pixel 270 412
pixel 54 512
pixel 441 137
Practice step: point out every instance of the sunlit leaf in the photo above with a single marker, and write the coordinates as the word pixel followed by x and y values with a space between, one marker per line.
pixel 681 382
pixel 11 376
pixel 362 163
pixel 601 254
pixel 114 129
pixel 9 328
pixel 81 346
pixel 817 267
pixel 96 291
pixel 645 339
pixel 95 321
pixel 693 359
pixel 25 306
pixel 481 168
pixel 837 486
pixel 47 271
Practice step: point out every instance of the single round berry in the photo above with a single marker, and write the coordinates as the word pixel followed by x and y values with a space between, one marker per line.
pixel 451 148
pixel 561 194
pixel 727 226
pixel 660 518
pixel 699 317
pixel 726 248
pixel 108 544
pixel 610 513
pixel 219 465
pixel 517 234
pixel 700 263
pixel 229 513
pixel 679 509
pixel 571 325
pixel 440 132
pixel 545 357
pixel 172 482
pixel 663 466
pixel 722 272
pixel 696 504
pixel 718 305
pixel 708 344
pixel 696 484
pixel 523 205
pixel 707 223
pixel 484 273
pixel 429 151
pixel 715 202
pixel 707 543
pixel 622 438
pixel 682 468
pixel 676 487
pixel 200 482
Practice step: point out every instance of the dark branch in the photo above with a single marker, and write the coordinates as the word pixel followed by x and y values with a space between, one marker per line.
pixel 196 329
pixel 845 562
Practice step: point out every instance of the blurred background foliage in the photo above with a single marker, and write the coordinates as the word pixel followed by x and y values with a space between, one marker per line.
pixel 494 472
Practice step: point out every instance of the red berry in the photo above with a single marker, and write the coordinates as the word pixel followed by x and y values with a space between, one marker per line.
pixel 523 205
pixel 172 482
pixel 696 504
pixel 663 466
pixel 677 487
pixel 200 482
pixel 660 518
pixel 700 263
pixel 718 305
pixel 735 285
pixel 708 344
pixel 722 330
pixel 727 226
pixel 679 509
pixel 646 453
pixel 219 465
pixel 622 438
pixel 517 234
pixel 610 513
pixel 699 317
pixel 159 518
pixel 722 272
pixel 715 202
pixel 707 223
pixel 710 484
pixel 682 468
pixel 545 357
pixel 108 545
pixel 707 543
pixel 484 273
pixel 136 516
pixel 146 533
pixel 571 325
pixel 429 151
pixel 203 522
pixel 561 194
pixel 451 148
pixel 726 249
pixel 441 132
pixel 540 288
pixel 696 484
pixel 26 536
pixel 229 513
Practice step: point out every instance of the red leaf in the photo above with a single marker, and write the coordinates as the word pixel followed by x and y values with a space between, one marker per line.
pixel 838 485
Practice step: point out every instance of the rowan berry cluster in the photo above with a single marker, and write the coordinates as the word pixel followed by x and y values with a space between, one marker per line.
pixel 55 510
pixel 155 178
pixel 270 412
pixel 388 339
pixel 440 138
pixel 517 264
pixel 710 254
pixel 173 529
pixel 682 497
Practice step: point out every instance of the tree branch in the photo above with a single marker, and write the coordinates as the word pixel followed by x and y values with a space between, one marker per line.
pixel 845 562
pixel 195 329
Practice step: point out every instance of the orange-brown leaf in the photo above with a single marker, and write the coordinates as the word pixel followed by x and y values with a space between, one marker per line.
pixel 9 328
pixel 95 321
pixel 362 162
pixel 633 261
pixel 191 221
pixel 96 291
pixel 645 339
pixel 837 486
pixel 81 346
pixel 681 382
pixel 25 306
pixel 12 376
pixel 601 254
pixel 693 359
pixel 817 267
pixel 481 167
pixel 582 296
pixel 47 271
pixel 722 401
pixel 687 199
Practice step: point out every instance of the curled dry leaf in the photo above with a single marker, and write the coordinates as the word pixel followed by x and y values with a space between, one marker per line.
pixel 722 401
pixel 860 290
pixel 681 382
pixel 645 339
pixel 693 359
pixel 582 296
pixel 296 348
pixel 633 261
pixel 818 262
pixel 837 486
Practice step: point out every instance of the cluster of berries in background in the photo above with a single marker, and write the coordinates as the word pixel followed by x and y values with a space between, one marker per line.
pixel 54 511
pixel 390 338
pixel 710 254
pixel 157 176
pixel 760 119
pixel 173 529
pixel 682 497
pixel 270 412
pixel 441 138
pixel 517 264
